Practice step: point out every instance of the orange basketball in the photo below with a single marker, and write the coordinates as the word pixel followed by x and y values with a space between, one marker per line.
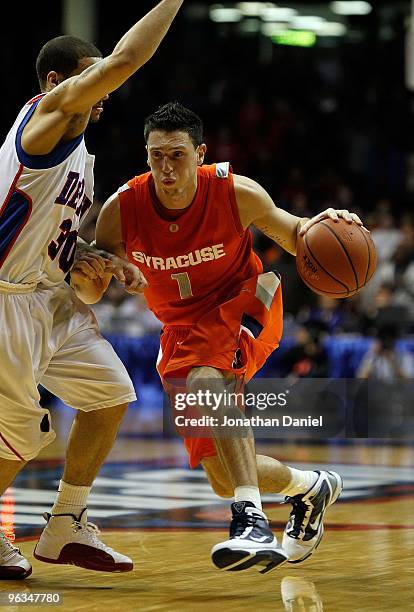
pixel 335 258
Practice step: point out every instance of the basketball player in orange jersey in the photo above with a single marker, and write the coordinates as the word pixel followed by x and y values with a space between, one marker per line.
pixel 47 335
pixel 186 226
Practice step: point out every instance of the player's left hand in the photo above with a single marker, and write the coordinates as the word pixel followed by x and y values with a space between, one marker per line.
pixel 128 275
pixel 102 262
pixel 331 213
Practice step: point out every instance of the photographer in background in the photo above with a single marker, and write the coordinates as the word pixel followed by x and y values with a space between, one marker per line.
pixel 383 361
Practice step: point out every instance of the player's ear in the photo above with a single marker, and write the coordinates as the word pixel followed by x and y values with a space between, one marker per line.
pixel 53 79
pixel 148 162
pixel 201 152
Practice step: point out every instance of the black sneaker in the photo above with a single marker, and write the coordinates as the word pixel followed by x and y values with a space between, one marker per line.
pixel 304 530
pixel 251 542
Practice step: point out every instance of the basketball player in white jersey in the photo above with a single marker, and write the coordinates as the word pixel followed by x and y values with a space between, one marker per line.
pixel 47 334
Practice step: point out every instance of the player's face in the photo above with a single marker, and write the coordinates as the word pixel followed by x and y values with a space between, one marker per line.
pixel 83 64
pixel 173 160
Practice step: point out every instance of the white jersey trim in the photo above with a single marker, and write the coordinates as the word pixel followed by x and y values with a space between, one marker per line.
pixel 222 169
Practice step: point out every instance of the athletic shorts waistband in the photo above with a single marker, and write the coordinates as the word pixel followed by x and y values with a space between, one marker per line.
pixel 16 288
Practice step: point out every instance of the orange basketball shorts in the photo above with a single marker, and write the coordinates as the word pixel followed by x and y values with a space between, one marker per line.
pixel 236 336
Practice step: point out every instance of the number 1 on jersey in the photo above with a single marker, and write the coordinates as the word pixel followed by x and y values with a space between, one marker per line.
pixel 184 284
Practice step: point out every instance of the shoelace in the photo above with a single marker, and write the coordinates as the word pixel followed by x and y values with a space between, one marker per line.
pixel 298 514
pixel 7 550
pixel 240 523
pixel 91 532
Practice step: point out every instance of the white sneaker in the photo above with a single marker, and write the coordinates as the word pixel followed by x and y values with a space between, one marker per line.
pixel 13 566
pixel 73 541
pixel 304 530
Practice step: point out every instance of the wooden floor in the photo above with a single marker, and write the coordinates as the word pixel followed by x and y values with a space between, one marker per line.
pixel 365 561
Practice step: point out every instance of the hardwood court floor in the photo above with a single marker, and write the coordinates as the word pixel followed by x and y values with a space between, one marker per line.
pixel 166 519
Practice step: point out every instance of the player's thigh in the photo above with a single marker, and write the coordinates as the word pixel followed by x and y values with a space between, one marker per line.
pixel 217 476
pixel 25 427
pixel 86 373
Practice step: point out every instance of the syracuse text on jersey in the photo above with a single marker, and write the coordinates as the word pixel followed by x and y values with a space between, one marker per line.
pixel 195 258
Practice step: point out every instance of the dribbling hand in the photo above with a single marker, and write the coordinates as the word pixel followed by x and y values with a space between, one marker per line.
pixel 331 213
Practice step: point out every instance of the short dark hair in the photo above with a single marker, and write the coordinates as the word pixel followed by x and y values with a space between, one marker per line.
pixel 62 54
pixel 174 117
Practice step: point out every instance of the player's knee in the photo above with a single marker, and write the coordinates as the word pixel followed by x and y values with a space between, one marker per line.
pixel 203 378
pixel 105 416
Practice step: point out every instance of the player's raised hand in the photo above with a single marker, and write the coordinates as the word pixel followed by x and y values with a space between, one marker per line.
pixel 331 213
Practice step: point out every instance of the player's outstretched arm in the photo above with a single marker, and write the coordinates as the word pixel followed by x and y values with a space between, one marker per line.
pixel 78 94
pixel 109 243
pixel 136 47
pixel 257 208
pixel 96 264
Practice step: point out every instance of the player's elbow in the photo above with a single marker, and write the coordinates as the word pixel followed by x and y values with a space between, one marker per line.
pixel 123 63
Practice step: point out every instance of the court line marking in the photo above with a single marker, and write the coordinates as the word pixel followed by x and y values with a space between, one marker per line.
pixel 274 525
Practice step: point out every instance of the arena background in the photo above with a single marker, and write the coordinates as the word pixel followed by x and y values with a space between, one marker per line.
pixel 319 118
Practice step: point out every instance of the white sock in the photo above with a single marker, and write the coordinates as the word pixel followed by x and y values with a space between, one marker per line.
pixel 251 494
pixel 301 482
pixel 70 499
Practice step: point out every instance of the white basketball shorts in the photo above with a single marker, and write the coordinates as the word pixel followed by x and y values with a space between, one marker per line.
pixel 50 337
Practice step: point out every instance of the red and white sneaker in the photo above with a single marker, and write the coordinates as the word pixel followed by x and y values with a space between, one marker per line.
pixel 13 566
pixel 73 541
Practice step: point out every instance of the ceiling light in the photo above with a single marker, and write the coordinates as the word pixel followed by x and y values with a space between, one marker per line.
pixel 295 38
pixel 277 13
pixel 306 22
pixel 330 28
pixel 253 9
pixel 220 14
pixel 351 7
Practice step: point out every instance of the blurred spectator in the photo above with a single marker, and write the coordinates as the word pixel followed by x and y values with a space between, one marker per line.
pixel 383 361
pixel 384 311
pixel 121 313
pixel 308 359
pixel 386 235
pixel 336 316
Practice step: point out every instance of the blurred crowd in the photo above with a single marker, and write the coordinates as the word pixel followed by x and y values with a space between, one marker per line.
pixel 319 127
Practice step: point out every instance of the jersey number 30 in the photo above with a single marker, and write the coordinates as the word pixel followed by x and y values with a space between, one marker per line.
pixel 64 246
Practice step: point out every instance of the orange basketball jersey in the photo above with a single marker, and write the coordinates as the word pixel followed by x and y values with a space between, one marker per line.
pixel 192 262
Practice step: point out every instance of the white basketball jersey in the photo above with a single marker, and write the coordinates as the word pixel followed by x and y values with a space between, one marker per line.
pixel 43 199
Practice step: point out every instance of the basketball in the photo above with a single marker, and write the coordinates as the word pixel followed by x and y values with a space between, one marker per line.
pixel 335 258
